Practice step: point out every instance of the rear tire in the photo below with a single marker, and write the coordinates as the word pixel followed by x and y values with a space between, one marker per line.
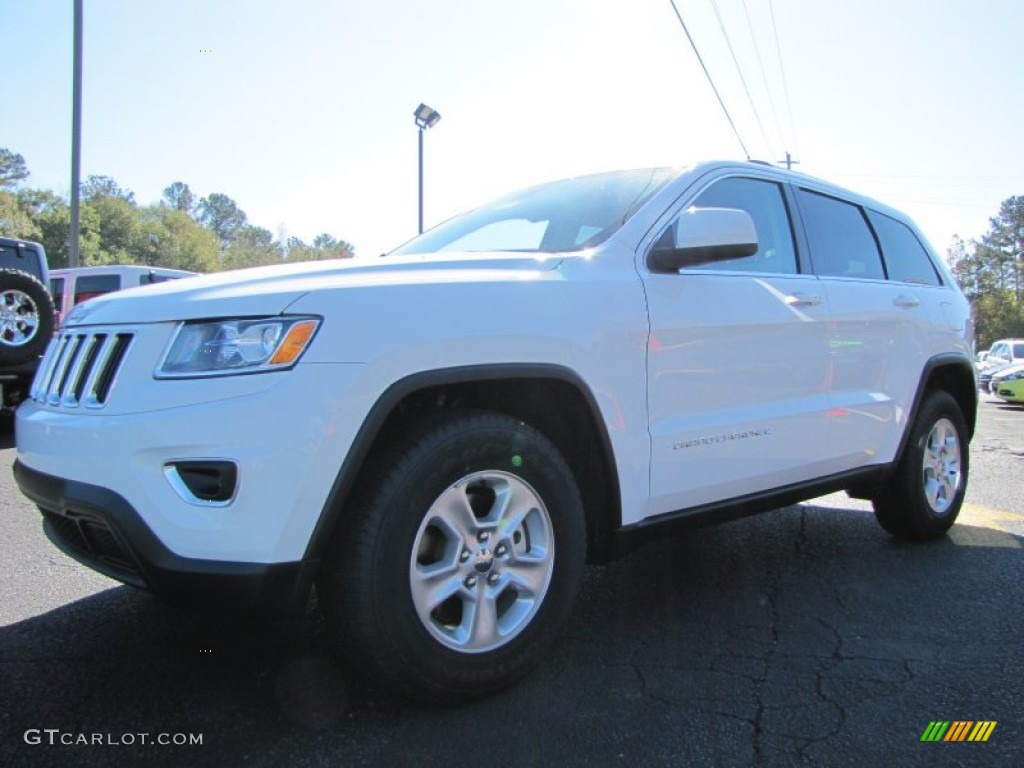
pixel 457 561
pixel 924 496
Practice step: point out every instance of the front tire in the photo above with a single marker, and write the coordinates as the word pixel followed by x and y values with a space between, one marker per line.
pixel 924 496
pixel 455 567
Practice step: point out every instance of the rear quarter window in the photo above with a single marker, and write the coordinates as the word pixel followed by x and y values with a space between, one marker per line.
pixel 906 260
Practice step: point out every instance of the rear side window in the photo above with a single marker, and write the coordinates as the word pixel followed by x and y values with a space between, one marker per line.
pixel 842 244
pixel 905 258
pixel 91 286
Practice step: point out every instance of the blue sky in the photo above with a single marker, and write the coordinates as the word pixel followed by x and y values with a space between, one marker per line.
pixel 302 111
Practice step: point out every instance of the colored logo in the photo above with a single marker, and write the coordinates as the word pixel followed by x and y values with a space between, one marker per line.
pixel 958 730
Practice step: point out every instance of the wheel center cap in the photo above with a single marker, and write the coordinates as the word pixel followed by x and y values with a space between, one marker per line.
pixel 484 561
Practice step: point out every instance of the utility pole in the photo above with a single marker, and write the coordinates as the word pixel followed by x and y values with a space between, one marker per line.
pixel 789 162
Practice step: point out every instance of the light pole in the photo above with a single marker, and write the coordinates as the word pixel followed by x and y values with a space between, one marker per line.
pixel 76 135
pixel 425 118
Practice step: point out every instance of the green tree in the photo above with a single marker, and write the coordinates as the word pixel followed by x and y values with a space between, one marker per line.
pixel 52 215
pixel 252 247
pixel 221 214
pixel 991 273
pixel 178 196
pixel 166 237
pixel 329 247
pixel 324 246
pixel 180 232
pixel 13 169
pixel 95 187
pixel 117 222
pixel 15 221
pixel 296 250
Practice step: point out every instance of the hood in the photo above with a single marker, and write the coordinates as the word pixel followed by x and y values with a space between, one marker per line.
pixel 270 290
pixel 1006 370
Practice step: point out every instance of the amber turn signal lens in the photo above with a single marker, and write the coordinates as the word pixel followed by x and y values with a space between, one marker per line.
pixel 293 344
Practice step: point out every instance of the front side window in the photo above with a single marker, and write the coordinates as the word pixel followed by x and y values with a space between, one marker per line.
pixel 567 215
pixel 905 258
pixel 841 243
pixel 765 203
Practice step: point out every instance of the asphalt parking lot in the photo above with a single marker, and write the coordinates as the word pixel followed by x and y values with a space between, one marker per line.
pixel 806 636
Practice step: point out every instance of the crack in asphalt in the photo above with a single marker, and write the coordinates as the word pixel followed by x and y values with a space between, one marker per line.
pixel 758 736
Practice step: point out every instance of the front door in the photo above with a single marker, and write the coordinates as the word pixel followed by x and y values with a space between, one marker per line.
pixel 737 364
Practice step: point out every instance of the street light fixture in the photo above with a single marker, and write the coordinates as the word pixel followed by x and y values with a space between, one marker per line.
pixel 426 117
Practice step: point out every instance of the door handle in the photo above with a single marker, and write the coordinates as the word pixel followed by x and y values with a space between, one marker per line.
pixel 802 300
pixel 906 302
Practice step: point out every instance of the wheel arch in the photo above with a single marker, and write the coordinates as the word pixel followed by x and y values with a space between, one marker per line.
pixel 950 373
pixel 553 399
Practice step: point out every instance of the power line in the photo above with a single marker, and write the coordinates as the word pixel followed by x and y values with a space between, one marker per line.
pixel 710 81
pixel 764 76
pixel 782 72
pixel 739 71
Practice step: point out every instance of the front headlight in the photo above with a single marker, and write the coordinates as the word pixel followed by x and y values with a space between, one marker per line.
pixel 226 347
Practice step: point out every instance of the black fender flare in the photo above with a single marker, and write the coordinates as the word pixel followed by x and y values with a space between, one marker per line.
pixel 409 385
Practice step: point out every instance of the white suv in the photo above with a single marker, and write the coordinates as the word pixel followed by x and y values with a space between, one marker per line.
pixel 440 439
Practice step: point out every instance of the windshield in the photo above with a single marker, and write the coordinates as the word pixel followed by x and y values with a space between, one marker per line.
pixel 567 215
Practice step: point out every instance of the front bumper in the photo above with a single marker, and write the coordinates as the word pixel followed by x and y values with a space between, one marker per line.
pixel 100 529
pixel 286 434
pixel 124 467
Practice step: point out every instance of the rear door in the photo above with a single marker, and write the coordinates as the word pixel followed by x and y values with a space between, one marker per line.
pixel 879 326
pixel 737 360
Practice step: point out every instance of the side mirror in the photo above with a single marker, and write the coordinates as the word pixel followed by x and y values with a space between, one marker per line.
pixel 705 235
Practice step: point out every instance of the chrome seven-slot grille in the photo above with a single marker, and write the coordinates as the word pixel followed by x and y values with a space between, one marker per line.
pixel 79 369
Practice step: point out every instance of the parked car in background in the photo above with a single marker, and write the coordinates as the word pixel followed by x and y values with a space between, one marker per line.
pixel 1001 355
pixel 1008 384
pixel 73 286
pixel 26 317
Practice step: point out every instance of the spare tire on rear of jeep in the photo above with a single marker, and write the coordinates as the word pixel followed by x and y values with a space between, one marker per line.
pixel 26 317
